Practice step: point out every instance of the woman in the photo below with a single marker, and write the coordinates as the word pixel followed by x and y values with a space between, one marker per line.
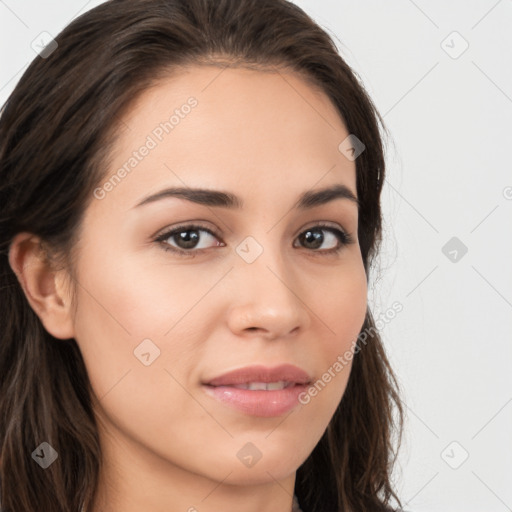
pixel 190 207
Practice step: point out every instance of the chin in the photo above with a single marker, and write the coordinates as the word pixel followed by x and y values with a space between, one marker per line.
pixel 273 465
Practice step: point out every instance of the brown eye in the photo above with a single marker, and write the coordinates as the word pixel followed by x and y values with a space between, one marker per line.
pixel 186 239
pixel 313 238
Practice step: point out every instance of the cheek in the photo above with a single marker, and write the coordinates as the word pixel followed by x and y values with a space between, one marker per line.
pixel 128 308
pixel 123 314
pixel 115 314
pixel 135 298
pixel 344 307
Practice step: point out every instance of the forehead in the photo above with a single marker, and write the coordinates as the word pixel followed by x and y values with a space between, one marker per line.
pixel 237 128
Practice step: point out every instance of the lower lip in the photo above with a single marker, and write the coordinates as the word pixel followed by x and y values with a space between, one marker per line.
pixel 258 403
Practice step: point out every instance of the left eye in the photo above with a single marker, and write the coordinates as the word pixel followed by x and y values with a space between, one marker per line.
pixel 186 238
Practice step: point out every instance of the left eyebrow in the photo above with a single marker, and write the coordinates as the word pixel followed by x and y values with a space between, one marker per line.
pixel 224 199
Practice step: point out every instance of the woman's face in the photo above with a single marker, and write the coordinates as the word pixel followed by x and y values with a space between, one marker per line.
pixel 154 325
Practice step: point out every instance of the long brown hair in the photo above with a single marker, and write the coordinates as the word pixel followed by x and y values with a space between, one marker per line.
pixel 56 131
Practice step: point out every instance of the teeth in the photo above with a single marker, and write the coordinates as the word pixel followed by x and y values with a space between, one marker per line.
pixel 263 386
pixel 276 385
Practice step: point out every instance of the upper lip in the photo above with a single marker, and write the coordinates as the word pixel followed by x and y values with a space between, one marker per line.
pixel 260 373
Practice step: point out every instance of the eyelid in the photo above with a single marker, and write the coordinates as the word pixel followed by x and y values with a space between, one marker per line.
pixel 214 232
pixel 346 236
pixel 187 225
pixel 343 236
pixel 323 224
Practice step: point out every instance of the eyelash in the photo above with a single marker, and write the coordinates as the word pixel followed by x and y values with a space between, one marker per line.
pixel 343 237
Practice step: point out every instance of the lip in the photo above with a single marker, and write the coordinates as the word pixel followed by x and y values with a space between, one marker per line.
pixel 259 402
pixel 261 373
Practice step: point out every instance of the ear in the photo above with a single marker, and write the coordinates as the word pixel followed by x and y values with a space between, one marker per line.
pixel 42 285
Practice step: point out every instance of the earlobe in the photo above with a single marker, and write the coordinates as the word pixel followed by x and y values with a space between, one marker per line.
pixel 40 283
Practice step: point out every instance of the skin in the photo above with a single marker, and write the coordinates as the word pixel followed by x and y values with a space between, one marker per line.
pixel 266 137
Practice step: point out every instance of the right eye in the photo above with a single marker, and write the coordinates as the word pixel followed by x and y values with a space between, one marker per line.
pixel 186 237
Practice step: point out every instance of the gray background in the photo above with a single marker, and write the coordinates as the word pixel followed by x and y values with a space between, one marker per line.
pixel 449 110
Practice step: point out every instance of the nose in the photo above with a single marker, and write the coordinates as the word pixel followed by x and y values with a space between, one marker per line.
pixel 268 301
